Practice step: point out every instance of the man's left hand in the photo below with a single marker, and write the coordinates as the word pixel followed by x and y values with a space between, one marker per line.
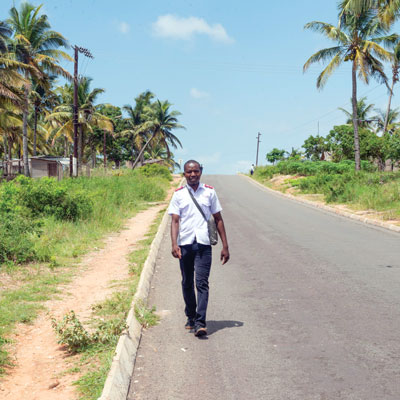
pixel 224 255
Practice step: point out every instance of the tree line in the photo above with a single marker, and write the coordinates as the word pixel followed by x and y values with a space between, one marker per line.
pixel 377 143
pixel 36 112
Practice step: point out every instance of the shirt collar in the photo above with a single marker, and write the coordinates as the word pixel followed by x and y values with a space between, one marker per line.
pixel 201 186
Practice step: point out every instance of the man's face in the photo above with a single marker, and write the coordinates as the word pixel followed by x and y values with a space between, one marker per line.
pixel 192 174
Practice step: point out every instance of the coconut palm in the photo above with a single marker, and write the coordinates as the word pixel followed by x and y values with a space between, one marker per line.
pixel 37 46
pixel 43 100
pixel 158 153
pixel 356 39
pixel 363 110
pixel 395 79
pixel 387 121
pixel 136 117
pixel 386 10
pixel 10 80
pixel 159 124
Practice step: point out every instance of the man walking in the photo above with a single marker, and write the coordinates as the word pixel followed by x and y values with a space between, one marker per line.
pixel 191 242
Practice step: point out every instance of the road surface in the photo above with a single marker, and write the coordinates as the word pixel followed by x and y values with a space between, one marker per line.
pixel 307 308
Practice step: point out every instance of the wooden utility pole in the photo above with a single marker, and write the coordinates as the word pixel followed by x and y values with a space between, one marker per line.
pixel 258 146
pixel 75 117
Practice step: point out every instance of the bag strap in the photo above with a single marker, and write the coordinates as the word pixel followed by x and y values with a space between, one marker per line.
pixel 197 204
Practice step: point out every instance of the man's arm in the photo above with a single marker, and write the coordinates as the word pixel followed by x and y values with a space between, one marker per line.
pixel 176 250
pixel 222 234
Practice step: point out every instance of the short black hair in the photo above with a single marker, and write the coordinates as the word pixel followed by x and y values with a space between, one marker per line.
pixel 192 162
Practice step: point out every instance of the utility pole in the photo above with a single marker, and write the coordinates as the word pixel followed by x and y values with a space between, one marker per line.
pixel 86 53
pixel 258 146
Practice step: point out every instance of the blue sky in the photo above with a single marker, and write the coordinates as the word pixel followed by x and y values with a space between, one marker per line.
pixel 232 68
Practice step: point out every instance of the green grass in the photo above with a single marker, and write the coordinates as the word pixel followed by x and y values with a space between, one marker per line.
pixel 361 190
pixel 96 359
pixel 59 247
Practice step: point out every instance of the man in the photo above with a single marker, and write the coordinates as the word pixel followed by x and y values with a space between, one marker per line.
pixel 191 243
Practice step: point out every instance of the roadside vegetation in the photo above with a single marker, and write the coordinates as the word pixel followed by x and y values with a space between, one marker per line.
pixel 42 239
pixel 368 189
pixel 96 346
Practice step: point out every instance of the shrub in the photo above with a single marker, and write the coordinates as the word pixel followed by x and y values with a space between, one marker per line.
pixel 72 333
pixel 48 197
pixel 16 238
pixel 151 170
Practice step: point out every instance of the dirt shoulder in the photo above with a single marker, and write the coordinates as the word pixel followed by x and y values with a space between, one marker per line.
pixel 40 362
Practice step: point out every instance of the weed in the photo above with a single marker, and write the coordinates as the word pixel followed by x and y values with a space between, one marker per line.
pixel 72 333
pixel 146 315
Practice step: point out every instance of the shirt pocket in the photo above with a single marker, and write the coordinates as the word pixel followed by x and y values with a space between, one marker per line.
pixel 204 202
pixel 184 205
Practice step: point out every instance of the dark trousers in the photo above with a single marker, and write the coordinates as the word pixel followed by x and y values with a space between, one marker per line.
pixel 195 265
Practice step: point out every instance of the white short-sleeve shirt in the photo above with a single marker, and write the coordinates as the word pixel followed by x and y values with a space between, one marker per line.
pixel 192 224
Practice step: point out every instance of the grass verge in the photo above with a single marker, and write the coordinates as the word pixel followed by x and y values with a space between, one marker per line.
pixel 58 247
pixel 107 324
pixel 375 192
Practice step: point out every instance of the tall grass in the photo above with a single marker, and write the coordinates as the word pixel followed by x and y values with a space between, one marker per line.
pixel 54 241
pixel 339 183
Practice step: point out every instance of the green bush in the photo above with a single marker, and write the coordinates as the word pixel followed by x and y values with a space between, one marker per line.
pixel 17 238
pixel 151 170
pixel 46 196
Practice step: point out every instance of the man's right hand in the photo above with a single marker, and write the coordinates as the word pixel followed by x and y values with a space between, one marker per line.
pixel 176 251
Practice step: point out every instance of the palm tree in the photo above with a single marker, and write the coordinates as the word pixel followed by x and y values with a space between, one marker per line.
pixel 43 100
pixel 357 39
pixel 158 152
pixel 395 79
pixel 37 46
pixel 160 122
pixel 387 11
pixel 386 121
pixel 136 117
pixel 363 109
pixel 10 80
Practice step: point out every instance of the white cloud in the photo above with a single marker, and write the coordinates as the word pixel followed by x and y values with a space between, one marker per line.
pixel 198 94
pixel 172 26
pixel 124 27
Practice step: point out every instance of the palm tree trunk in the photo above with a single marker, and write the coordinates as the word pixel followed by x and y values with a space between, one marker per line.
pixel 10 146
pixel 35 131
pixel 65 146
pixel 388 107
pixel 25 132
pixel 93 151
pixel 355 118
pixel 138 158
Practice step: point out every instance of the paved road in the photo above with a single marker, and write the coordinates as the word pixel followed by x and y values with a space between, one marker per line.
pixel 307 308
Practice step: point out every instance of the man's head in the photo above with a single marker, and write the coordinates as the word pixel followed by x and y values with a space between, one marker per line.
pixel 192 171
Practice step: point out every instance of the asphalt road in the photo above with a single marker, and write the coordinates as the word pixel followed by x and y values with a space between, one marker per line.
pixel 307 308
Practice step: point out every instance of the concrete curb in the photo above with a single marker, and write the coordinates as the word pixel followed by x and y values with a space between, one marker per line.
pixel 118 379
pixel 381 224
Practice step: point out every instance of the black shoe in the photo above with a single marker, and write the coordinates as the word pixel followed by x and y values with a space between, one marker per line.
pixel 200 331
pixel 189 324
